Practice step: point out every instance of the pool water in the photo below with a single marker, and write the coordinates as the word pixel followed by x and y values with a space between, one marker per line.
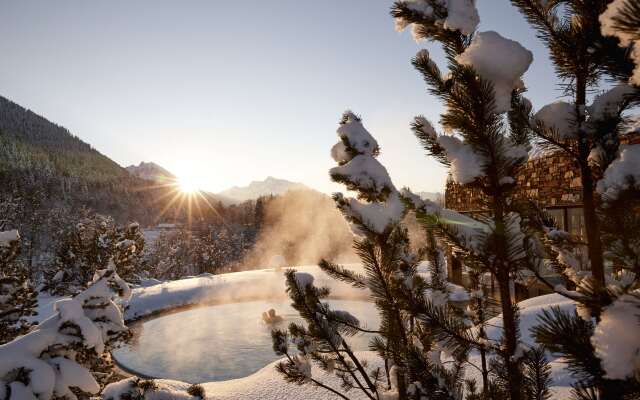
pixel 221 342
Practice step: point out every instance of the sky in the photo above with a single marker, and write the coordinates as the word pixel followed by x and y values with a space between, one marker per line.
pixel 222 93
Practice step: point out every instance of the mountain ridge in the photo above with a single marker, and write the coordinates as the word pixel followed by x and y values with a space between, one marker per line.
pixel 255 189
pixel 150 171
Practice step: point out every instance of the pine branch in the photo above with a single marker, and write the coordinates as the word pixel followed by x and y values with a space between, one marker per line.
pixel 551 139
pixel 306 302
pixel 627 19
pixel 570 335
pixel 446 328
pixel 427 26
pixel 291 374
pixel 429 141
pixel 518 116
pixel 343 274
pixel 537 374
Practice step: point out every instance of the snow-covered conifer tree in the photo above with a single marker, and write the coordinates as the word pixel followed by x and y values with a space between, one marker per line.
pixel 589 42
pixel 589 131
pixel 390 274
pixel 18 298
pixel 128 252
pixel 486 142
pixel 89 245
pixel 86 247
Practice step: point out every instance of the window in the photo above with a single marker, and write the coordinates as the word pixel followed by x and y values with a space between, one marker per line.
pixel 576 222
pixel 558 215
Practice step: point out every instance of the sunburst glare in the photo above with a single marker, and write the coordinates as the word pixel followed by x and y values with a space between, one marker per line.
pixel 187 184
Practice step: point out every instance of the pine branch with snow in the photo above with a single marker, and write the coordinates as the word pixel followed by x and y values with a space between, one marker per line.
pixel 620 20
pixel 586 337
pixel 471 242
pixel 589 43
pixel 322 340
pixel 573 337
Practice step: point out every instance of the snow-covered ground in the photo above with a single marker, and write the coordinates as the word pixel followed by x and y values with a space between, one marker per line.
pixel 45 306
pixel 530 309
pixel 266 384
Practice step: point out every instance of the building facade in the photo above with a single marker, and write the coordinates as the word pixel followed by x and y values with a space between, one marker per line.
pixel 553 181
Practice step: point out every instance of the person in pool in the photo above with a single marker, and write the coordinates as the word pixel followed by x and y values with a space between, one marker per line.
pixel 270 317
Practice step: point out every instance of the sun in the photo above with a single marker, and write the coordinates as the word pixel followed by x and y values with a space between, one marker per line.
pixel 187 185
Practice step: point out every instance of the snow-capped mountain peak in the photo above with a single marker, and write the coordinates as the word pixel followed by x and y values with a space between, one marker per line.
pixel 256 189
pixel 150 171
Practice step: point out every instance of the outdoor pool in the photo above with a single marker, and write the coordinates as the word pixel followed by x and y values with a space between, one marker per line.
pixel 220 342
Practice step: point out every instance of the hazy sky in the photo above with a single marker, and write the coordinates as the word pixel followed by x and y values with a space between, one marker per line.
pixel 226 92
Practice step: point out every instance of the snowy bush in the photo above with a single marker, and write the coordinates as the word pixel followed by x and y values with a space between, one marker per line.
pixel 128 252
pixel 56 359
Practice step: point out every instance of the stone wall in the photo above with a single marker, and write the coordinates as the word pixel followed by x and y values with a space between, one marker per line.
pixel 552 180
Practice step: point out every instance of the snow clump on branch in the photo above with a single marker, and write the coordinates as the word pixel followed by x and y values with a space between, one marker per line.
pixel 609 27
pixel 616 338
pixel 461 15
pixel 500 61
pixel 559 116
pixel 623 171
pixel 378 205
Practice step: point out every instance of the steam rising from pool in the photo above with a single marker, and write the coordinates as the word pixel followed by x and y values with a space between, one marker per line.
pixel 304 226
pixel 220 342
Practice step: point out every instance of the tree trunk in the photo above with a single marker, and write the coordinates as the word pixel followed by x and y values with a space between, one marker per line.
pixel 483 352
pixel 510 328
pixel 510 335
pixel 592 227
pixel 590 218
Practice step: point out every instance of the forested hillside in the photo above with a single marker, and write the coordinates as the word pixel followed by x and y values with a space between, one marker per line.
pixel 46 166
pixel 30 142
pixel 49 177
